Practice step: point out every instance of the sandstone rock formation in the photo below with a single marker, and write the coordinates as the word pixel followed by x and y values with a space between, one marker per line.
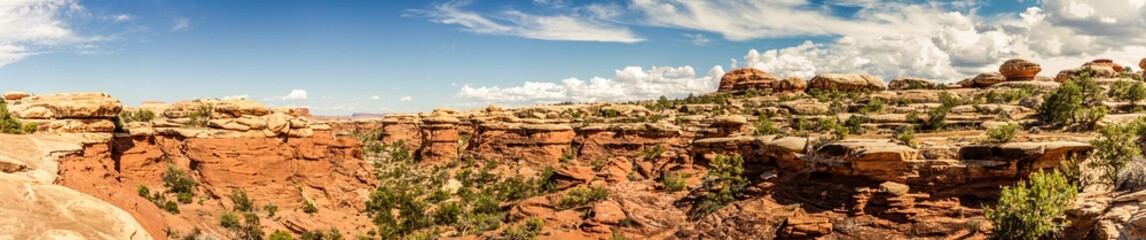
pixel 910 83
pixel 15 95
pixel 792 85
pixel 846 82
pixel 741 80
pixel 1104 62
pixel 1019 70
pixel 983 80
pixel 68 112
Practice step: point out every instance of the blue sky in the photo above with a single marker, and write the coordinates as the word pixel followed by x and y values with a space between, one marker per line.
pixel 340 57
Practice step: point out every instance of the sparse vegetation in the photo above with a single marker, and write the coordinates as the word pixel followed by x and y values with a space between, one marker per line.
pixel 271 209
pixel 1114 149
pixel 1032 209
pixel 906 135
pixel 527 230
pixel 1077 103
pixel 724 183
pixel 580 196
pixel 139 115
pixel 10 125
pixel 200 116
pixel 1003 133
pixel 673 182
pixel 764 126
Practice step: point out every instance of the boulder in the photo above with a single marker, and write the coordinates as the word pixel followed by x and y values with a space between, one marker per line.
pixel 278 123
pixel 1098 71
pixel 1019 70
pixel 910 83
pixel 47 211
pixel 983 80
pixel 1104 62
pixel 846 82
pixel 15 95
pixel 741 80
pixel 792 84
pixel 66 105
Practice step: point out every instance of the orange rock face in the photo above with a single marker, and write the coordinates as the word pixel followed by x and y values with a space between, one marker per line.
pixel 1019 70
pixel 741 80
pixel 324 170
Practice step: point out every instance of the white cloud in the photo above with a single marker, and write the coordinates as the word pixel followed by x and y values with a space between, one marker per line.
pixel 374 97
pixel 122 17
pixel 630 83
pixel 30 27
pixel 568 27
pixel 180 24
pixel 237 96
pixel 406 99
pixel 697 39
pixel 297 94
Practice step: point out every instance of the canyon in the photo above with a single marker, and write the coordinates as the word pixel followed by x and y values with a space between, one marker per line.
pixel 831 157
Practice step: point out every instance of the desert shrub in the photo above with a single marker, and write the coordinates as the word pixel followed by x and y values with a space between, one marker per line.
pixel 140 115
pixel 906 135
pixel 1127 91
pixel 1078 103
pixel 528 230
pixel 281 235
pixel 271 209
pixel 724 183
pixel 171 207
pixel 617 235
pixel 200 116
pixel 1003 134
pixel 178 181
pixel 242 202
pixel 652 152
pixel 229 221
pixel 936 118
pixel 309 207
pixel 854 124
pixel 839 131
pixel 1132 177
pixel 448 213
pixel 1011 95
pixel 764 126
pixel 1114 149
pixel 1034 208
pixel 184 198
pixel 673 182
pixel 333 234
pixel 143 191
pixel 10 125
pixel 580 196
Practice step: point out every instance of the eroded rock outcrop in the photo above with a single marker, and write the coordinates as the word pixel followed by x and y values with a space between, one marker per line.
pixel 741 80
pixel 846 82
pixel 68 112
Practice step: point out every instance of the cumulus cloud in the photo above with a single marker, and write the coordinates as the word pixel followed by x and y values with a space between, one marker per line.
pixel 938 43
pixel 697 39
pixel 297 94
pixel 630 83
pixel 561 27
pixel 28 27
pixel 406 99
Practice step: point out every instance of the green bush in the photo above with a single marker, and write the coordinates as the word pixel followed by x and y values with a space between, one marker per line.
pixel 309 207
pixel 333 234
pixel 873 106
pixel 143 191
pixel 281 235
pixel 448 213
pixel 580 196
pixel 178 181
pixel 246 228
pixel 140 115
pixel 528 230
pixel 1032 209
pixel 171 207
pixel 1003 134
pixel 673 182
pixel 1132 91
pixel 936 118
pixel 242 202
pixel 229 221
pixel 764 126
pixel 200 116
pixel 10 125
pixel 271 209
pixel 906 135
pixel 1114 148
pixel 1078 103
pixel 184 198
pixel 724 183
